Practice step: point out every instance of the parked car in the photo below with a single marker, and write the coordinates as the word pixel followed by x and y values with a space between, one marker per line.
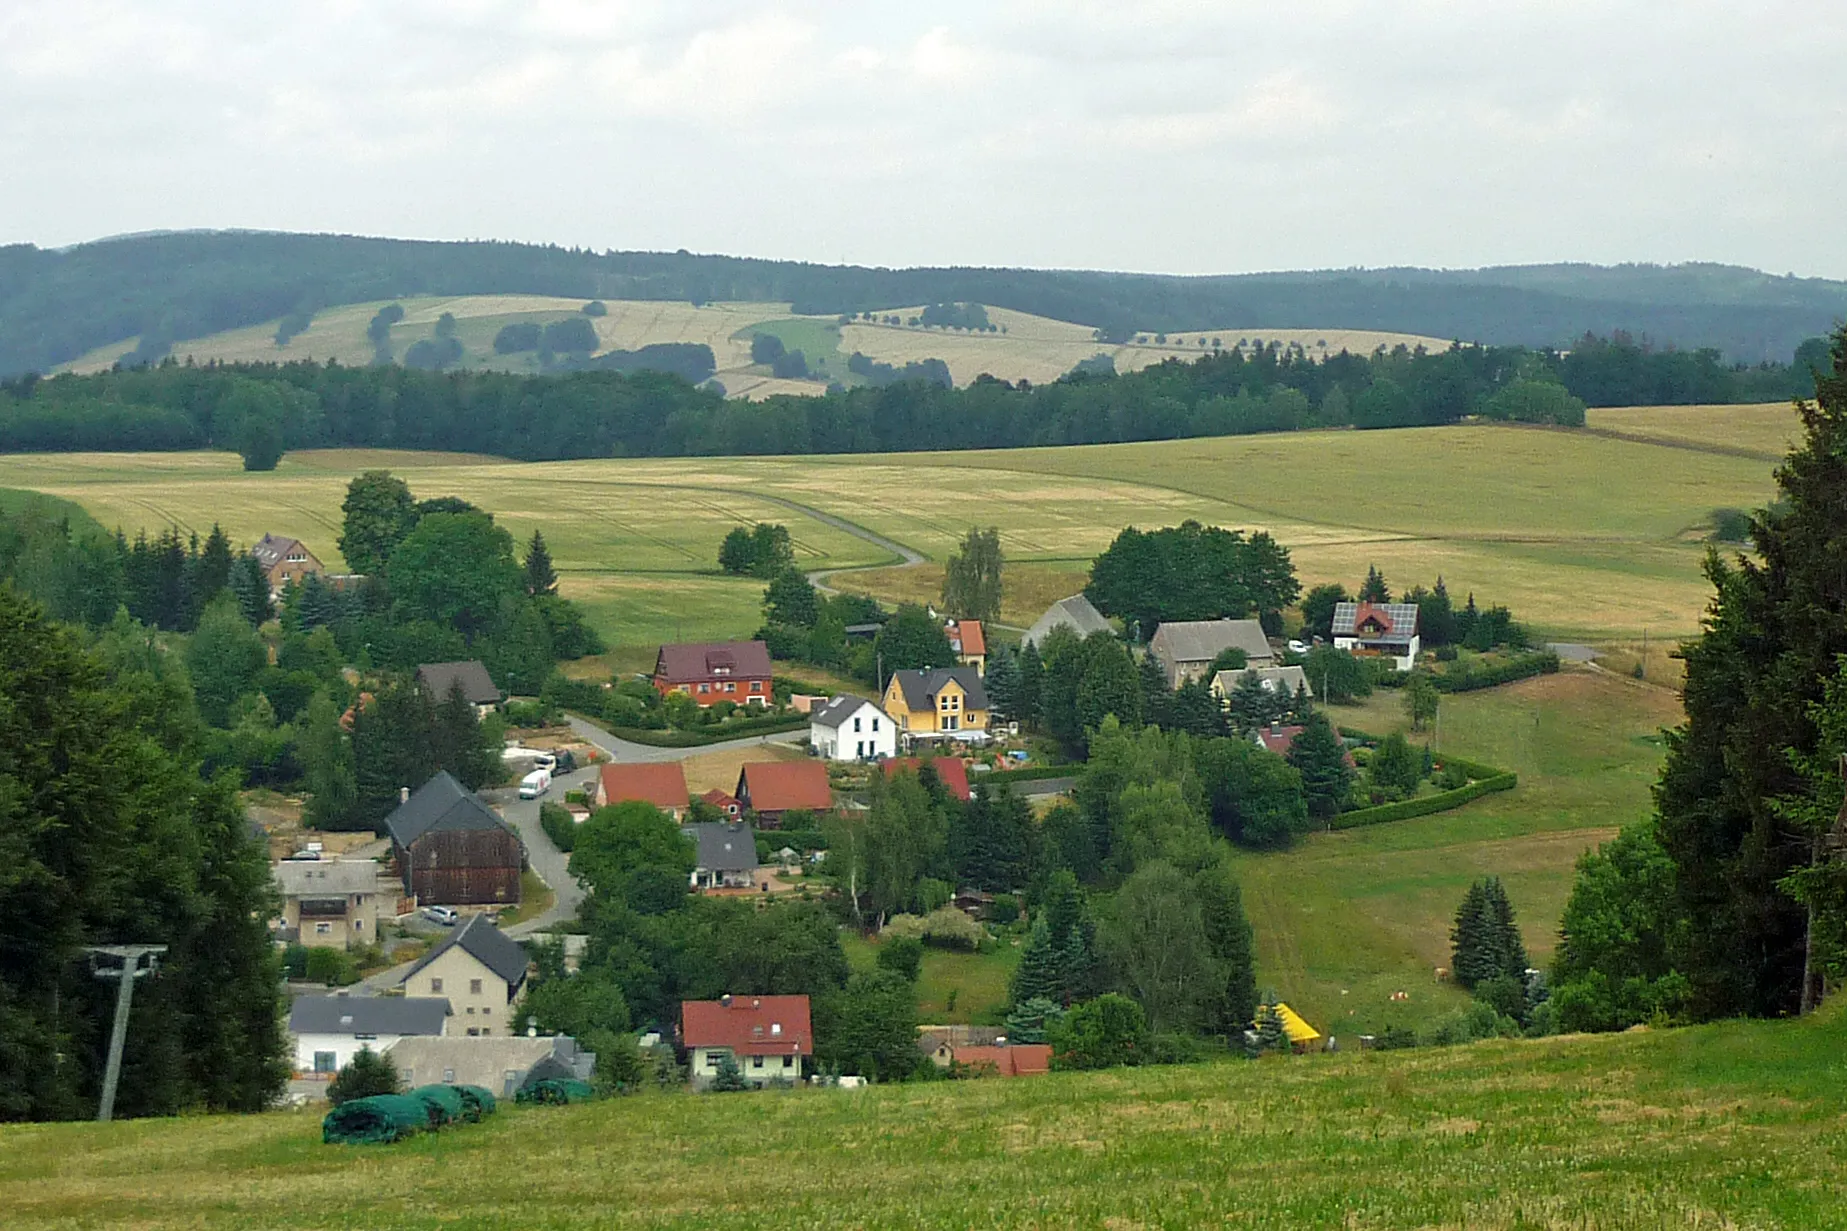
pixel 546 760
pixel 441 914
pixel 1298 647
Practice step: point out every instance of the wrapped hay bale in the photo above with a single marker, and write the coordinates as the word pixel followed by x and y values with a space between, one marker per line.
pixel 477 1102
pixel 378 1120
pixel 555 1091
pixel 444 1104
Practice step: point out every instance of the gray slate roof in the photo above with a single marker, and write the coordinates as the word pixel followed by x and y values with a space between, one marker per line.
pixel 487 944
pixel 1281 680
pixel 477 685
pixel 920 687
pixel 723 846
pixel 442 803
pixel 1077 612
pixel 326 878
pixel 838 711
pixel 368 1015
pixel 1201 641
pixel 1401 616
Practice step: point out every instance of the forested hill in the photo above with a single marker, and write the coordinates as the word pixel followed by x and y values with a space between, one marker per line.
pixel 56 305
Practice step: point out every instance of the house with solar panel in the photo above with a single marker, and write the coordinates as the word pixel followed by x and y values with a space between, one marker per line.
pixel 1378 630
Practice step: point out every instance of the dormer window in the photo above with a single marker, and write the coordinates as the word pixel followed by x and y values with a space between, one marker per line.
pixel 775 1028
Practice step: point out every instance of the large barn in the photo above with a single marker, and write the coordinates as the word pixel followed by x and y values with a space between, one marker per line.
pixel 452 849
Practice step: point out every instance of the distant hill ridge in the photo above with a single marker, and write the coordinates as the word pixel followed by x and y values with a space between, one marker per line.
pixel 166 287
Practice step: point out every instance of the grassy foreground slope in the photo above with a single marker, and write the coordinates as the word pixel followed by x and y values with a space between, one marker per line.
pixel 1732 1125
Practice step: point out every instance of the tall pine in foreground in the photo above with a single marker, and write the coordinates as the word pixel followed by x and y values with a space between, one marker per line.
pixel 1772 636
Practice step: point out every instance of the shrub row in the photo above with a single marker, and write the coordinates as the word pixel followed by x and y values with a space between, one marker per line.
pixel 769 725
pixel 1428 805
pixel 1520 667
pixel 558 826
pixel 1032 773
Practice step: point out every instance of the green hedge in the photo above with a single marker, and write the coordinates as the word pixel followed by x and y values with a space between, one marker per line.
pixel 1520 667
pixel 1032 773
pixel 558 826
pixel 1429 805
pixel 702 736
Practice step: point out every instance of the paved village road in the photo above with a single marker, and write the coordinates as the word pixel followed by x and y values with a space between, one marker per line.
pixel 552 864
pixel 619 749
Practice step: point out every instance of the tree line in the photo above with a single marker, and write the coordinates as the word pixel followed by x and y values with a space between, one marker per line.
pixel 262 409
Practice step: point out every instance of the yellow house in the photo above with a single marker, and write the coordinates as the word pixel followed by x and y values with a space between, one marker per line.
pixel 944 703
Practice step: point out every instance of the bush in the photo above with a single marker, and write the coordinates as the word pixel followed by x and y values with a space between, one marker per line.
pixel 333 967
pixel 947 928
pixel 1427 805
pixel 1471 676
pixel 365 1075
pixel 1103 1033
pixel 902 955
pixel 766 348
pixel 558 825
pixel 295 961
pixel 574 335
pixel 596 307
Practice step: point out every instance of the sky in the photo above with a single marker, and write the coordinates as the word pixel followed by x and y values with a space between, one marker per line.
pixel 1151 136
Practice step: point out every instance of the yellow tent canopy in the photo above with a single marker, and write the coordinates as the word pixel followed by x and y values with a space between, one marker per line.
pixel 1298 1030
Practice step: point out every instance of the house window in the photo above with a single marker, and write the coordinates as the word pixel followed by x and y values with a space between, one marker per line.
pixel 875 726
pixel 485 1011
pixel 436 987
pixel 775 1028
pixel 448 1074
pixel 785 1062
pixel 756 1062
pixel 473 1033
pixel 487 1030
pixel 856 726
pixel 474 987
pixel 731 686
pixel 326 1062
pixel 510 1080
pixel 323 929
pixel 471 1010
pixel 756 685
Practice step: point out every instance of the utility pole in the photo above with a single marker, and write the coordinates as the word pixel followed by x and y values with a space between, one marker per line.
pixel 131 962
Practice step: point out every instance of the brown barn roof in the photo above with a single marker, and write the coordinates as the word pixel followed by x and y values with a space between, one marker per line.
pixel 712 660
pixel 782 786
pixel 1014 1060
pixel 661 783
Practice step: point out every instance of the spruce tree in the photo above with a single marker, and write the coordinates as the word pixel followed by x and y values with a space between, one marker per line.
pixel 1003 684
pixel 1317 755
pixel 367 1074
pixel 1156 698
pixel 541 578
pixel 1509 948
pixel 1031 688
pixel 1375 590
pixel 1038 976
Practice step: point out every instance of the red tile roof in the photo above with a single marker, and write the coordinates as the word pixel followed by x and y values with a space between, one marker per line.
pixel 661 783
pixel 712 660
pixel 749 1025
pixel 966 637
pixel 1016 1060
pixel 727 804
pixel 951 771
pixel 1278 739
pixel 782 786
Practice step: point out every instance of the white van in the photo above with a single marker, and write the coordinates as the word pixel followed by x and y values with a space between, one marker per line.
pixel 535 784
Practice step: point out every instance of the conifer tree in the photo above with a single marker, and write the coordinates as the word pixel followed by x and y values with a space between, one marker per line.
pixel 541 578
pixel 1038 976
pixel 1003 684
pixel 1318 756
pixel 367 1074
pixel 1473 944
pixel 1156 697
pixel 1032 684
pixel 1375 589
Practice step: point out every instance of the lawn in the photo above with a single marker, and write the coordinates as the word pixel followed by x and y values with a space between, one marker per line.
pixel 1347 919
pixel 1731 1125
pixel 977 982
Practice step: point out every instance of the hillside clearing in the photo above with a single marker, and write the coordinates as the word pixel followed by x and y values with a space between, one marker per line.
pixel 1731 1125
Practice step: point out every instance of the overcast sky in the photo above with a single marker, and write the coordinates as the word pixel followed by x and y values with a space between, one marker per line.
pixel 1153 135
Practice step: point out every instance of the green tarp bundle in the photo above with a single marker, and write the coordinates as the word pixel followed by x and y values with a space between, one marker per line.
pixel 477 1101
pixel 556 1090
pixel 375 1120
pixel 444 1103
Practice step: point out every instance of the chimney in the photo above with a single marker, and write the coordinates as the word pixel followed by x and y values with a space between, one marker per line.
pixel 403 794
pixel 532 1030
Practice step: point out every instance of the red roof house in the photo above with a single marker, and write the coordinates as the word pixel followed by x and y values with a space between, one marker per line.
pixel 715 671
pixel 661 783
pixel 772 788
pixel 727 804
pixel 1012 1060
pixel 766 1035
pixel 952 772
pixel 1277 738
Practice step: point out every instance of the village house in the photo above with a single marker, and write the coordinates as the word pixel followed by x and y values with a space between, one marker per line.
pixel 438 680
pixel 284 561
pixel 1285 682
pixel 452 849
pixel 969 643
pixel 661 783
pixel 329 902
pixel 480 970
pixel 1378 630
pixel 770 790
pixel 1276 738
pixel 724 855
pixel 330 1030
pixel 947 703
pixel 850 728
pixel 1186 648
pixel 504 1064
pixel 710 672
pixel 766 1035
pixel 729 805
pixel 952 772
pixel 1075 613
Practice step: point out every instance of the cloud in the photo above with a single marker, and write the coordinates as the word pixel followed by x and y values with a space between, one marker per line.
pixel 1163 135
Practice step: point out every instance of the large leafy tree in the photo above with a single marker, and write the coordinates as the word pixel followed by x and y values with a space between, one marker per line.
pixel 912 639
pixel 455 569
pixel 378 513
pixel 108 834
pixel 972 577
pixel 1191 572
pixel 224 657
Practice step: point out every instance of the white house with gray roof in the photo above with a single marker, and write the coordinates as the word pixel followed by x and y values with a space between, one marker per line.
pixel 850 728
pixel 480 970
pixel 330 1030
pixel 1186 648
pixel 1076 613
pixel 725 854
